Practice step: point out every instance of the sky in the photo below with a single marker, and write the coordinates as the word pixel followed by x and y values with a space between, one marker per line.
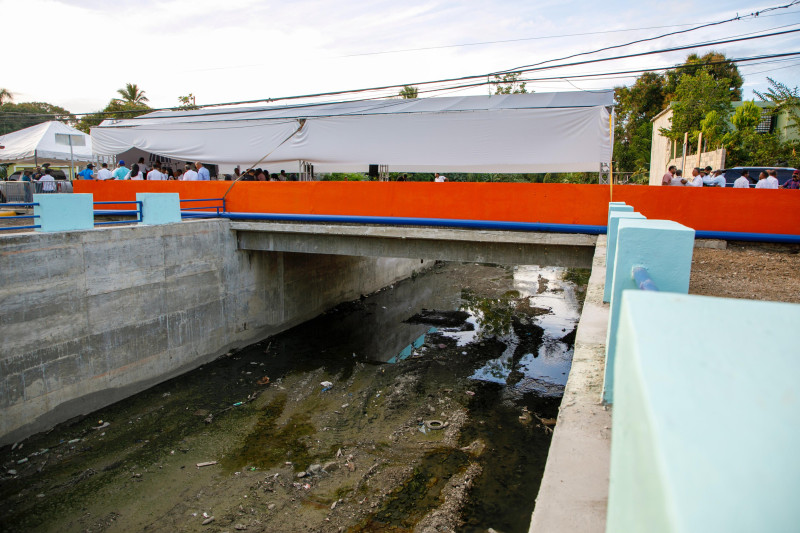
pixel 77 53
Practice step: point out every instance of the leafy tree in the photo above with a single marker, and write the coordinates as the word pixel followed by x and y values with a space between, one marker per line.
pixel 714 126
pixel 408 92
pixel 747 117
pixel 785 99
pixel 635 108
pixel 116 108
pixel 15 117
pixel 5 96
pixel 720 68
pixel 131 94
pixel 187 102
pixel 695 97
pixel 508 84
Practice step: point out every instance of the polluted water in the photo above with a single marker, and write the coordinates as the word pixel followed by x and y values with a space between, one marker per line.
pixel 428 405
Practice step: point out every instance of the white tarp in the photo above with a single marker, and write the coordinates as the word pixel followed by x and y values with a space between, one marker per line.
pixel 540 132
pixel 21 145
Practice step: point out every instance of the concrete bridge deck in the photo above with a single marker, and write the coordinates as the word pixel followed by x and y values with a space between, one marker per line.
pixel 446 244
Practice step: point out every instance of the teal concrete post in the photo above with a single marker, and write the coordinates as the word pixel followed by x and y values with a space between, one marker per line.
pixel 160 208
pixel 665 249
pixel 611 244
pixel 704 434
pixel 64 212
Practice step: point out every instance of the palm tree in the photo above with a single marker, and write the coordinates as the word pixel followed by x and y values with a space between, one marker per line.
pixel 408 91
pixel 131 94
pixel 6 96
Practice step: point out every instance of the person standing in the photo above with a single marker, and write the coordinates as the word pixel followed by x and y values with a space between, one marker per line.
pixel 202 172
pixel 121 172
pixel 142 166
pixel 793 183
pixel 189 174
pixel 696 180
pixel 47 181
pixel 677 179
pixel 667 178
pixel 87 173
pixel 772 179
pixel 104 174
pixel 155 174
pixel 714 178
pixel 763 182
pixel 743 181
pixel 439 178
pixel 136 173
pixel 282 176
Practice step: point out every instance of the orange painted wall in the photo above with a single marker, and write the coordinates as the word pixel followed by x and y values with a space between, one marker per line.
pixel 710 209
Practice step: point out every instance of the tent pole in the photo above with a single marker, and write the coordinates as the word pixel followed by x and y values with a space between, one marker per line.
pixel 71 160
pixel 35 159
pixel 611 159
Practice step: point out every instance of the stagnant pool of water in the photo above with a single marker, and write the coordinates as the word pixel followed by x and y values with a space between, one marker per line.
pixel 352 401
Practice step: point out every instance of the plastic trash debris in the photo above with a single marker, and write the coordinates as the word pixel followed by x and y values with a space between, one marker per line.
pixel 22 461
pixel 102 425
pixel 208 520
pixel 237 404
pixel 436 424
pixel 11 472
pixel 206 463
pixel 263 381
pixel 470 393
pixel 326 384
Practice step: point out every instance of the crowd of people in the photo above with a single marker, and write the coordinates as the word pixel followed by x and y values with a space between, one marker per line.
pixel 140 171
pixel 707 177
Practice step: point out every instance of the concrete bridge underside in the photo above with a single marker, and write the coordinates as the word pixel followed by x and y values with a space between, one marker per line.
pixel 446 244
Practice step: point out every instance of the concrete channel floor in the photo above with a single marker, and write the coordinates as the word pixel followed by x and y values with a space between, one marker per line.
pixel 574 490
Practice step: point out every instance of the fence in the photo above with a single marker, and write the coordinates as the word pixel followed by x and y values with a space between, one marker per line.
pixel 23 191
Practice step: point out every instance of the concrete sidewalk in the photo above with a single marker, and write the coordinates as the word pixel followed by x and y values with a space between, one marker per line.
pixel 574 490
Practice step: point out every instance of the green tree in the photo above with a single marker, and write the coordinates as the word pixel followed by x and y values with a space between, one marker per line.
pixel 714 63
pixel 747 117
pixel 695 97
pixel 508 84
pixel 635 108
pixel 187 102
pixel 6 96
pixel 116 108
pixel 714 126
pixel 408 92
pixel 25 114
pixel 131 94
pixel 785 100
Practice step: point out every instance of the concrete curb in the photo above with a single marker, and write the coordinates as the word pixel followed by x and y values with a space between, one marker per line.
pixel 574 490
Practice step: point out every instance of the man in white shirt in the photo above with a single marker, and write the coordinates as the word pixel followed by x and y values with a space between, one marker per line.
pixel 713 178
pixel 155 174
pixel 696 180
pixel 772 179
pixel 763 181
pixel 743 181
pixel 439 178
pixel 104 174
pixel 189 175
pixel 47 181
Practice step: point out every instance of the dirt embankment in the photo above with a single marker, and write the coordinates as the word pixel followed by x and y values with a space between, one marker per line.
pixel 749 271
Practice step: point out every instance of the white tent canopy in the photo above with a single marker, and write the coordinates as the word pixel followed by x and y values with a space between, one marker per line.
pixel 40 143
pixel 540 132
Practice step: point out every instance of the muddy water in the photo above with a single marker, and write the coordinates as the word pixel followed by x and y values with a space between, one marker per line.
pixel 451 435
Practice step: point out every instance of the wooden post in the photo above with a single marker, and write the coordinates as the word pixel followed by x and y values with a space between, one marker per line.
pixel 685 147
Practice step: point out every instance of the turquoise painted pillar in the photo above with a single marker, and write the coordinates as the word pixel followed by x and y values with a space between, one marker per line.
pixel 160 208
pixel 64 212
pixel 704 434
pixel 611 244
pixel 665 249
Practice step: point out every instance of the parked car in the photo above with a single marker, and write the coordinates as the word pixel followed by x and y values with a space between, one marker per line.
pixel 56 173
pixel 732 174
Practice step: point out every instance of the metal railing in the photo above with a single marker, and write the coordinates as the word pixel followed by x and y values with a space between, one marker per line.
pixel 119 212
pixel 19 217
pixel 23 191
pixel 643 280
pixel 203 210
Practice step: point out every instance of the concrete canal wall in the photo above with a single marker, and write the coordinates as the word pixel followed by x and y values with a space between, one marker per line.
pixel 90 317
